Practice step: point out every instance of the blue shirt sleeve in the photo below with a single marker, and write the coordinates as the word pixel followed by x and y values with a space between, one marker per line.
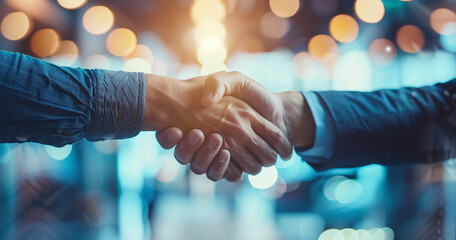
pixel 44 103
pixel 322 148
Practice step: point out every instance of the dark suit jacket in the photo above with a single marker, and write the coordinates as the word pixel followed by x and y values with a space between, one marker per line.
pixel 401 126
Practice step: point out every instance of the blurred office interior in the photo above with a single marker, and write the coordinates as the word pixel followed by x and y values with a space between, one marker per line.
pixel 134 189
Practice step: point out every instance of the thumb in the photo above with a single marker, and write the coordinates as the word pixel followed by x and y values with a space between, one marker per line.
pixel 214 90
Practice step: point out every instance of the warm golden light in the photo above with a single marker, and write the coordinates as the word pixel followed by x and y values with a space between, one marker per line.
pixel 284 8
pixel 344 28
pixel 142 51
pixel 410 39
pixel 45 42
pixel 121 42
pixel 440 17
pixel 212 50
pixel 370 11
pixel 323 48
pixel 274 27
pixel 204 30
pixel 251 44
pixel 66 54
pixel 213 68
pixel 382 52
pixel 208 10
pixel 72 4
pixel 16 26
pixel 98 20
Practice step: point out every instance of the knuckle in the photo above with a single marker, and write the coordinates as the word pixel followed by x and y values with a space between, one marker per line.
pixel 270 160
pixel 213 177
pixel 276 136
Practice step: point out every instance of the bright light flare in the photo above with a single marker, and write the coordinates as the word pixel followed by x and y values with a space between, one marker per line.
pixel 206 29
pixel 265 179
pixel 16 26
pixel 212 50
pixel 98 20
pixel 208 10
pixel 370 11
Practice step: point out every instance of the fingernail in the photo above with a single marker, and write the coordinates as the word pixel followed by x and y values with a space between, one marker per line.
pixel 193 140
pixel 172 136
pixel 212 143
pixel 224 159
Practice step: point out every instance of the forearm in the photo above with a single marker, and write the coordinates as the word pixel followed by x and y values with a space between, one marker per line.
pixel 54 105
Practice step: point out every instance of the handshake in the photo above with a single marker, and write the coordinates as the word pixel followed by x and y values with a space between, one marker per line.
pixel 225 124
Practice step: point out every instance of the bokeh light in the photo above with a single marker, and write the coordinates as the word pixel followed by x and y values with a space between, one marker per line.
pixel 410 39
pixel 66 54
pixel 208 10
pixel 348 191
pixel 212 50
pixel 213 68
pixel 449 41
pixel 58 153
pixel 344 28
pixel 370 11
pixel 284 8
pixel 331 234
pixel 265 179
pixel 16 26
pixel 382 52
pixel 169 169
pixel 142 51
pixel 274 27
pixel 97 61
pixel 137 65
pixel 349 234
pixel 209 28
pixel 121 42
pixel 323 48
pixel 98 20
pixel 305 67
pixel 72 4
pixel 440 17
pixel 45 42
pixel 329 188
pixel 353 71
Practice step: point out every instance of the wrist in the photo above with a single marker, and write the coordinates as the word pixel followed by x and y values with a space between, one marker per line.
pixel 298 119
pixel 158 88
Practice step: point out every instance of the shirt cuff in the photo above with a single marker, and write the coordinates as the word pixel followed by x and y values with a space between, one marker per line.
pixel 322 148
pixel 119 105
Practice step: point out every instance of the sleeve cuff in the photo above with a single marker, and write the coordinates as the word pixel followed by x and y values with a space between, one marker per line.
pixel 322 149
pixel 118 106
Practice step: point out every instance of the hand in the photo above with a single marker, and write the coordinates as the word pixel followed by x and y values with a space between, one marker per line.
pixel 251 140
pixel 287 110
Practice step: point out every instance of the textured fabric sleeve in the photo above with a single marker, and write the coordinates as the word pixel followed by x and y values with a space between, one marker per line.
pixel 44 103
pixel 322 148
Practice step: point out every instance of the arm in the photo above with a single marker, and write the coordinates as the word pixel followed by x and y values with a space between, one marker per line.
pixel 45 103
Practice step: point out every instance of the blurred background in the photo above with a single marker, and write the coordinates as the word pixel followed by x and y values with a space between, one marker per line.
pixel 133 189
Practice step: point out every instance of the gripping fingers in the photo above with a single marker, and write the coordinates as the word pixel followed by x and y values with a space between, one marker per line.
pixel 187 148
pixel 272 135
pixel 219 165
pixel 233 172
pixel 206 153
pixel 169 137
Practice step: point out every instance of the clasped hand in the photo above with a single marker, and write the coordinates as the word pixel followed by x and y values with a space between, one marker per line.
pixel 224 124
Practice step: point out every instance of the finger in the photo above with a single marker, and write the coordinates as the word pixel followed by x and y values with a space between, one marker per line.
pixel 273 136
pixel 214 89
pixel 187 148
pixel 246 161
pixel 169 137
pixel 262 151
pixel 205 155
pixel 233 172
pixel 219 165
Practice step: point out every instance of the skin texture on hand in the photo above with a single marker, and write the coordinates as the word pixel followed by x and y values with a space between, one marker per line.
pixel 289 110
pixel 251 140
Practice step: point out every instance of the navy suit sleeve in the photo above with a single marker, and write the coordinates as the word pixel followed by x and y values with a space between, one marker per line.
pixel 402 126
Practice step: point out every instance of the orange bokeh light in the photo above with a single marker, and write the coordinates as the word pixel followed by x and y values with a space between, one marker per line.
pixel 98 20
pixel 45 42
pixel 410 39
pixel 16 26
pixel 344 28
pixel 440 17
pixel 323 48
pixel 284 8
pixel 382 52
pixel 370 11
pixel 121 42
